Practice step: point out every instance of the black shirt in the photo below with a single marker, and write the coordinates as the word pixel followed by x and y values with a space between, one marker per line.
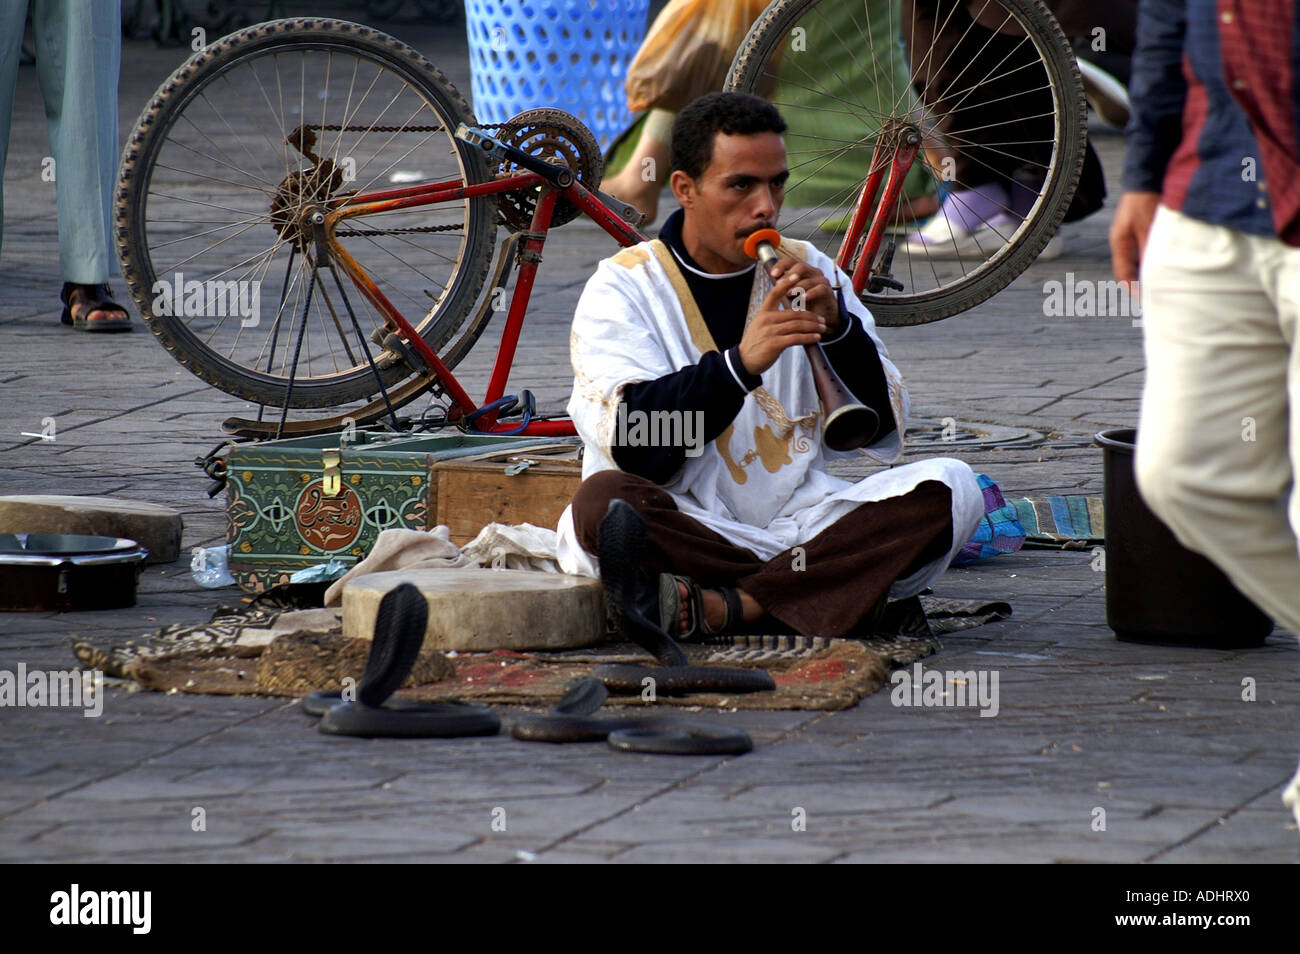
pixel 718 384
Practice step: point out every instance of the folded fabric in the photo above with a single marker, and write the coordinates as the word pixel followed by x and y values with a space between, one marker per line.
pixel 998 532
pixel 498 545
pixel 1071 521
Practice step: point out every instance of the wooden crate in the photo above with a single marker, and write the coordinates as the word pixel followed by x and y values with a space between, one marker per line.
pixel 471 493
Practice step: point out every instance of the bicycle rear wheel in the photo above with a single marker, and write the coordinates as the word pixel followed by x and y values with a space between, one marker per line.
pixel 243 140
pixel 993 91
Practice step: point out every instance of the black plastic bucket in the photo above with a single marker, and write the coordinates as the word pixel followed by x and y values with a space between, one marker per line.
pixel 1157 590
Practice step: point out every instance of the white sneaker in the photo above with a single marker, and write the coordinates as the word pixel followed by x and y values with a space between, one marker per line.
pixel 1054 248
pixel 972 225
pixel 1291 797
pixel 944 238
pixel 1106 94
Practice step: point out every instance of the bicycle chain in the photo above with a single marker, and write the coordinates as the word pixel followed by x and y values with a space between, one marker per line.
pixel 382 129
pixel 517 218
pixel 414 228
pixel 354 233
pixel 337 128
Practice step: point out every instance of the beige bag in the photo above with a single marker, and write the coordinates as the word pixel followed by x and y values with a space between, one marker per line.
pixel 688 51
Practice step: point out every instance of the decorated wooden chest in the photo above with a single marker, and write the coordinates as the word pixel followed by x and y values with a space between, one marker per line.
pixel 295 503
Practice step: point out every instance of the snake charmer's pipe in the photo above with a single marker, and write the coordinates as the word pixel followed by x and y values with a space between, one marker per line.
pixel 846 424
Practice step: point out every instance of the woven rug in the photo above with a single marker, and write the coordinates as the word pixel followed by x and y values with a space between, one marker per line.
pixel 265 652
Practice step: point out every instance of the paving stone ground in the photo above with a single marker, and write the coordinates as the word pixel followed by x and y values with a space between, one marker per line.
pixel 1160 738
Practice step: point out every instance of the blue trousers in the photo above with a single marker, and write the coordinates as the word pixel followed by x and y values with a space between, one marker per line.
pixel 78 55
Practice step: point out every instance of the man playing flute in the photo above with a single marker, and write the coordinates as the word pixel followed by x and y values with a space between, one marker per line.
pixel 695 401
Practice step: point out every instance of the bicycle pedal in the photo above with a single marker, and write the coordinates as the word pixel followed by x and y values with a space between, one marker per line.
pixel 879 283
pixel 394 345
pixel 624 210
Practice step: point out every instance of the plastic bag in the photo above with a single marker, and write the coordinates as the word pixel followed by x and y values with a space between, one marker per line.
pixel 688 51
pixel 208 567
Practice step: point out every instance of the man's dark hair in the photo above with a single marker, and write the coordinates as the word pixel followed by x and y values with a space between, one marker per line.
pixel 735 114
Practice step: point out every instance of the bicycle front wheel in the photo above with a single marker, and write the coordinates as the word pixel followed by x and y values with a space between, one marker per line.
pixel 219 182
pixel 992 92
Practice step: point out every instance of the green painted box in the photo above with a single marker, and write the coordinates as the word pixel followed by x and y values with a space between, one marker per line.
pixel 294 503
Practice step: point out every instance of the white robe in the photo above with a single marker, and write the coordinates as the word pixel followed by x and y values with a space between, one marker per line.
pixel 762 484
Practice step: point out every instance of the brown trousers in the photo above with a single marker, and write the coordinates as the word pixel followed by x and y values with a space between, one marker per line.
pixel 827 590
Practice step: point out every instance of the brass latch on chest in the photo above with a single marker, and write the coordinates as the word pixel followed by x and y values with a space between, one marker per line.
pixel 332 477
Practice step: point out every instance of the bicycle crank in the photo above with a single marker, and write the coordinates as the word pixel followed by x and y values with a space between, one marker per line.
pixel 556 138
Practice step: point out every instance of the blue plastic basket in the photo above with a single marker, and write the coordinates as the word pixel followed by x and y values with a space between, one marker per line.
pixel 568 54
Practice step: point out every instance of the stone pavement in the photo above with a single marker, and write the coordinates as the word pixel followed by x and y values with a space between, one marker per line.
pixel 1160 738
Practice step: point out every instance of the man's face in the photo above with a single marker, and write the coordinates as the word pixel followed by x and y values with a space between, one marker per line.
pixel 740 191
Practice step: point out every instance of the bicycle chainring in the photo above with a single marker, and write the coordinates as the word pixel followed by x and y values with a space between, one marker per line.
pixel 561 139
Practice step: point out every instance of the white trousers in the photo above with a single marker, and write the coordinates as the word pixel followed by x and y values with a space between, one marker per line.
pixel 1217 446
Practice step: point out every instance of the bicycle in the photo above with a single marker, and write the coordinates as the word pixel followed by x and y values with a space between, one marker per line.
pixel 806 55
pixel 291 143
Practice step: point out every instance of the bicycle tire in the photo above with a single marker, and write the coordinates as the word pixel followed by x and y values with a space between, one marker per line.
pixel 453 258
pixel 762 62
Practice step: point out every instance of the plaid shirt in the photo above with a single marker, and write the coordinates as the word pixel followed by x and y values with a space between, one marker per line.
pixel 1215 122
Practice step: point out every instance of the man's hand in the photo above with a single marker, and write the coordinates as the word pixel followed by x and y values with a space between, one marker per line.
pixel 1128 234
pixel 817 294
pixel 773 329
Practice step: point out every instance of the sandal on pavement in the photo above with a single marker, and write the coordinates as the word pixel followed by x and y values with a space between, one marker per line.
pixel 82 302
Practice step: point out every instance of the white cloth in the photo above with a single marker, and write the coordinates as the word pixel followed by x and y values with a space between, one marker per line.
pixel 1218 437
pixel 762 484
pixel 498 545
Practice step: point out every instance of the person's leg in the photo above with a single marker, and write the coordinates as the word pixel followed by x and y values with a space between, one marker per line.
pixel 825 587
pixel 78 52
pixel 1286 289
pixel 643 177
pixel 13 18
pixel 967 76
pixel 676 543
pixel 980 85
pixel 1214 446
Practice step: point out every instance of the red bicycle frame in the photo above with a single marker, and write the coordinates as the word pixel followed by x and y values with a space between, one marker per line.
pixel 530 253
pixel 903 146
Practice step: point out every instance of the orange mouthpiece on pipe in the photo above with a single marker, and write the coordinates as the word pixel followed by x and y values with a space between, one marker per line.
pixel 762 235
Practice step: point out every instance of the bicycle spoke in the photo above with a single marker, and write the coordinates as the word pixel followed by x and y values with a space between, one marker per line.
pixel 980 87
pixel 242 153
pixel 225 161
pixel 258 220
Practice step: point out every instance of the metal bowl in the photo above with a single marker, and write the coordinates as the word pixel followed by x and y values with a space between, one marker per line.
pixel 68 571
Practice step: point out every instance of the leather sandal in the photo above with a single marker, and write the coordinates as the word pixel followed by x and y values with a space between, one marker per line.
pixel 670 607
pixel 82 301
pixel 731 619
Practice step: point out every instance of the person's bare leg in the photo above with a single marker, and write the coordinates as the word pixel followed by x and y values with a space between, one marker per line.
pixel 642 179
pixel 715 608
